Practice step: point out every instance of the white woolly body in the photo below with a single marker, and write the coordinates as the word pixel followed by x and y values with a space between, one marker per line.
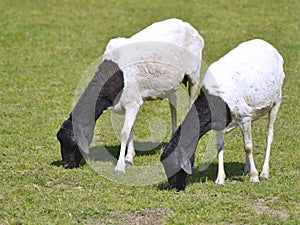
pixel 249 79
pixel 155 60
pixel 154 63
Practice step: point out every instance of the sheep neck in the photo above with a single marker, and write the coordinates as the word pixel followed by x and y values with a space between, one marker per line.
pixel 102 92
pixel 207 112
pixel 110 77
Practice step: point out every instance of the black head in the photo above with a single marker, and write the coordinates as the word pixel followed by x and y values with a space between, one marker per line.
pixel 76 133
pixel 208 112
pixel 70 153
pixel 178 180
pixel 176 171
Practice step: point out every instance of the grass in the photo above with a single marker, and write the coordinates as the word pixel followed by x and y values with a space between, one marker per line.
pixel 45 48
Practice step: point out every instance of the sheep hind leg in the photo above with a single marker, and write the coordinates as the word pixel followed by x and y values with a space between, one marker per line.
pixel 193 88
pixel 173 104
pixel 272 117
pixel 246 129
pixel 247 165
pixel 221 172
pixel 130 151
pixel 130 115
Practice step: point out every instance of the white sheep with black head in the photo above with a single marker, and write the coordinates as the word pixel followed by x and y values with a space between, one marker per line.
pixel 150 65
pixel 239 88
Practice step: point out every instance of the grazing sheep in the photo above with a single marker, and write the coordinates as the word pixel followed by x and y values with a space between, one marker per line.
pixel 150 65
pixel 239 88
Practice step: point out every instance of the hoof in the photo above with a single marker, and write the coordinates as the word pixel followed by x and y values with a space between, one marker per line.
pixel 264 176
pixel 128 162
pixel 119 173
pixel 246 171
pixel 254 180
pixel 120 170
pixel 219 182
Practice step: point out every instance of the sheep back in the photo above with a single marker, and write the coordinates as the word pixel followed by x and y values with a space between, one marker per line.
pixel 155 60
pixel 249 79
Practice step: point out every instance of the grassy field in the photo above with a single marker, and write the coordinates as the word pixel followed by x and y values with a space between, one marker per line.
pixel 45 49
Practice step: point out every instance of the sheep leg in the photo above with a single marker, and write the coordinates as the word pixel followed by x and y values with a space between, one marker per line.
pixel 130 151
pixel 272 117
pixel 173 104
pixel 130 115
pixel 220 146
pixel 246 129
pixel 247 165
pixel 193 88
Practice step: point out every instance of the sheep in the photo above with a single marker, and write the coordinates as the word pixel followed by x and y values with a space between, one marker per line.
pixel 150 65
pixel 239 88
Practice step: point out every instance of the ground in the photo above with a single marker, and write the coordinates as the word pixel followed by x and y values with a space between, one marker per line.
pixel 45 49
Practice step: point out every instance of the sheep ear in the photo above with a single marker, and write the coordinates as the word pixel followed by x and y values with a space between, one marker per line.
pixel 186 166
pixel 83 127
pixel 82 141
pixel 83 130
pixel 83 115
pixel 84 112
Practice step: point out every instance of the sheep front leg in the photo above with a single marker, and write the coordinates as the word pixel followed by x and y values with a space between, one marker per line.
pixel 130 151
pixel 272 117
pixel 220 146
pixel 130 115
pixel 246 129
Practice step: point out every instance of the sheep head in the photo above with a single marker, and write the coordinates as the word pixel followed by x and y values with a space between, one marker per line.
pixel 70 153
pixel 208 112
pixel 76 133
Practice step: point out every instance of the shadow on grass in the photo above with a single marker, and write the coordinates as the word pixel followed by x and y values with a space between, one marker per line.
pixel 233 170
pixel 111 153
pixel 57 163
pixel 60 163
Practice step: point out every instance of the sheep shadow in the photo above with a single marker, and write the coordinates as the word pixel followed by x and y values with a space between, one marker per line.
pixel 105 153
pixel 57 163
pixel 111 153
pixel 233 170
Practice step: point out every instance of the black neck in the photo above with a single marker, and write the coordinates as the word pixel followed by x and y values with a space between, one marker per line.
pixel 201 104
pixel 112 82
pixel 102 92
pixel 207 112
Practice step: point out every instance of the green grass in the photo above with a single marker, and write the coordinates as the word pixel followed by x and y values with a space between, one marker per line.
pixel 45 48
